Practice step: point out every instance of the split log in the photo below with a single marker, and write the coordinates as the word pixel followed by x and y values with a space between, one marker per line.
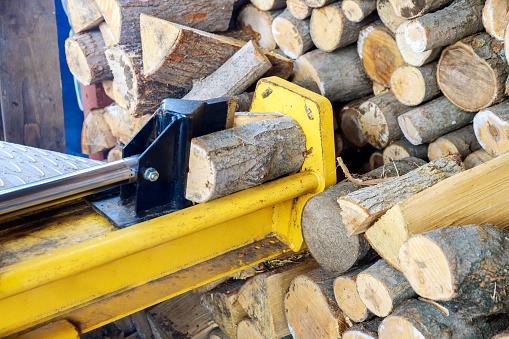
pixel 339 74
pixel 85 57
pixel 115 153
pixel 243 118
pixel 268 5
pixel 357 10
pixel 323 228
pixel 123 126
pixel 379 52
pixel 218 334
pixel 379 89
pixel 263 298
pixel 123 16
pixel 411 57
pixel 477 65
pixel 464 266
pixel 416 319
pixel 299 9
pixel 477 158
pixel 239 72
pixel 495 16
pixel 388 16
pixel 430 121
pixel 414 85
pixel 108 89
pixel 223 306
pixel 460 142
pixel 404 149
pixel 491 127
pixel 348 119
pixel 170 53
pixel 414 8
pixel 310 308
pixel 378 119
pixel 381 288
pixel 232 160
pixel 330 29
pixel 365 330
pixel 347 296
pixel 258 24
pixel 244 101
pixel 96 135
pixel 360 209
pixel 376 160
pixel 83 15
pixel 461 19
pixel 107 34
pixel 318 3
pixel 291 34
pixel 118 98
pixel 247 330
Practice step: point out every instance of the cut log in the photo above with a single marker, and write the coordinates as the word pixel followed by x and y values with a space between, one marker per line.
pixel 477 65
pixel 430 121
pixel 267 5
pixel 258 24
pixel 176 54
pixel 243 118
pixel 118 98
pixel 378 119
pixel 107 34
pixel 247 329
pixel 299 9
pixel 461 19
pixel 85 57
pixel 330 29
pixel 414 85
pixel 123 126
pixel 324 231
pixel 477 158
pixel 414 8
pixel 310 308
pixel 491 127
pixel 495 16
pixel 83 15
pixel 223 306
pixel 379 52
pixel 416 320
pixel 309 84
pixel 381 288
pixel 403 149
pixel 123 16
pixel 218 334
pixel 96 135
pixel 360 209
pixel 502 335
pixel 376 160
pixel 238 73
pixel 291 34
pixel 318 3
pixel 349 123
pixel 365 330
pixel 263 298
pixel 379 89
pixel 461 142
pixel 357 10
pixel 465 266
pixel 108 89
pixel 388 16
pixel 339 74
pixel 347 297
pixel 412 58
pixel 228 161
pixel 244 101
pixel 115 153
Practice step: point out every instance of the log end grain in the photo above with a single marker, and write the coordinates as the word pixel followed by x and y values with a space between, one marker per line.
pixel 374 294
pixel 349 122
pixel 415 36
pixel 408 85
pixel 388 16
pixel 267 5
pixel 495 16
pixel 77 62
pixel 411 57
pixel 403 149
pixel 299 9
pixel 410 131
pixel 258 24
pixel 477 158
pixel 352 10
pixel 247 329
pixel 399 327
pixel 83 14
pixel 288 37
pixel 113 16
pixel 347 297
pixel 492 132
pixel 326 27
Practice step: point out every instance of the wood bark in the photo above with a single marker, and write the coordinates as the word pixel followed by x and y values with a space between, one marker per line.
pixel 430 121
pixel 379 52
pixel 418 319
pixel 491 127
pixel 258 24
pixel 83 15
pixel 381 288
pixel 376 160
pixel 477 65
pixel 115 153
pixel 348 119
pixel 339 74
pixel 477 158
pixel 378 119
pixel 85 57
pixel 356 10
pixel 461 19
pixel 244 101
pixel 414 85
pixel 411 57
pixel 177 55
pixel 292 35
pixel 310 308
pixel 365 330
pixel 324 230
pixel 267 5
pixel 360 209
pixel 96 135
pixel 330 28
pixel 309 84
pixel 388 16
pixel 502 335
pixel 228 161
pixel 263 298
pixel 401 149
pixel 495 16
pixel 123 126
pixel 464 266
pixel 460 142
pixel 414 8
pixel 299 9
pixel 318 3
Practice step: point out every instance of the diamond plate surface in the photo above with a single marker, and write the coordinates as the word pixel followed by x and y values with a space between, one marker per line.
pixel 20 164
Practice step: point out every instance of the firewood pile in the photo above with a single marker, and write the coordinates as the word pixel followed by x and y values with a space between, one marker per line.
pixel 420 94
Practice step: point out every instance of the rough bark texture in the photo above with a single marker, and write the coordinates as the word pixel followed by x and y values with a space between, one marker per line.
pixel 414 8
pixel 378 119
pixel 330 29
pixel 415 85
pixel 381 288
pixel 491 127
pixel 460 142
pixel 267 5
pixel 85 57
pixel 495 16
pixel 388 16
pixel 299 9
pixel 339 74
pixel 411 57
pixel 356 10
pixel 244 102
pixel 291 34
pixel 83 15
pixel 476 64
pixel 360 209
pixel 401 149
pixel 318 3
pixel 365 330
pixel 123 126
pixel 96 134
pixel 310 308
pixel 348 119
pixel 309 84
pixel 258 24
pixel 430 121
pixel 379 52
pixel 323 228
pixel 477 158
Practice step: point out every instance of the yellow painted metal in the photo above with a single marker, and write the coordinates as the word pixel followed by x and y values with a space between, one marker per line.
pixel 61 329
pixel 79 280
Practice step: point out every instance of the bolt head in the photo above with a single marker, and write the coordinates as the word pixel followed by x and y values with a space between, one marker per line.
pixel 151 174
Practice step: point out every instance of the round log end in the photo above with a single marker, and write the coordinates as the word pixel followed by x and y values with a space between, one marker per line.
pixel 202 175
pixel 77 61
pixel 287 37
pixel 441 148
pixel 354 216
pixel 398 327
pixel 374 294
pixel 415 36
pixel 326 27
pixel 298 9
pixel 376 160
pixel 491 132
pixel 374 125
pixel 409 129
pixel 352 11
pixel 395 152
pixel 347 297
pixel 350 128
pixel 408 85
pixel 258 24
pixel 266 5
pixel 125 78
pixel 477 158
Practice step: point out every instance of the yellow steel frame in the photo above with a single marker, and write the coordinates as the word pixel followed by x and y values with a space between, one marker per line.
pixel 108 277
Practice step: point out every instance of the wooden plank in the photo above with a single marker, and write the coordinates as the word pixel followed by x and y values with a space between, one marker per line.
pixel 31 96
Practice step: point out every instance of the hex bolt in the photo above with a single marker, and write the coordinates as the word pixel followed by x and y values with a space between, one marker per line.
pixel 151 174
